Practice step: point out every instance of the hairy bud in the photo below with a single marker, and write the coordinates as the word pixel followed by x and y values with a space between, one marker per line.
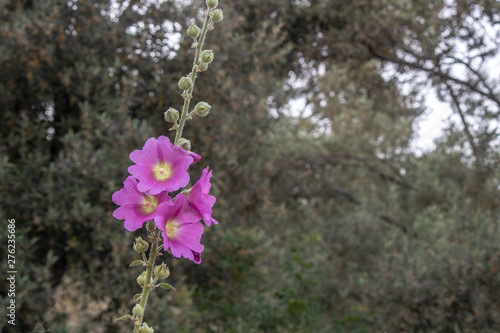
pixel 184 144
pixel 146 329
pixel 151 226
pixel 185 83
pixel 171 115
pixel 212 3
pixel 207 56
pixel 138 310
pixel 161 272
pixel 217 15
pixel 202 109
pixel 193 31
pixel 141 279
pixel 202 66
pixel 140 245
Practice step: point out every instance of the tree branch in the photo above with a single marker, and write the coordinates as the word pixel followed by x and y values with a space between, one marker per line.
pixel 433 72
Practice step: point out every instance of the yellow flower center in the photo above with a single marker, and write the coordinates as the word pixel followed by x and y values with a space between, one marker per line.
pixel 172 229
pixel 162 171
pixel 149 204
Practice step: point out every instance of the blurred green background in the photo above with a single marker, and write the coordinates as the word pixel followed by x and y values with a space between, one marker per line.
pixel 330 219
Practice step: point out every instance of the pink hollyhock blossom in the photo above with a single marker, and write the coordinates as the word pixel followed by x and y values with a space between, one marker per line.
pixel 195 156
pixel 181 229
pixel 197 257
pixel 161 166
pixel 137 207
pixel 199 198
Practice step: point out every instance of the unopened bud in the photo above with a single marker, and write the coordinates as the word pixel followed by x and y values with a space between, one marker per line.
pixel 212 3
pixel 138 310
pixel 184 144
pixel 202 109
pixel 185 83
pixel 146 329
pixel 193 31
pixel 140 245
pixel 151 226
pixel 171 115
pixel 207 56
pixel 202 66
pixel 217 15
pixel 141 279
pixel 161 272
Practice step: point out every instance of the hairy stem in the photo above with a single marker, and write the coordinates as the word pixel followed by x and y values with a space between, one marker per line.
pixel 147 284
pixel 194 72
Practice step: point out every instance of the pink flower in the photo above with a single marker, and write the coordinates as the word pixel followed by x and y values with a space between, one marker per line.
pixel 161 166
pixel 195 156
pixel 136 207
pixel 181 229
pixel 199 198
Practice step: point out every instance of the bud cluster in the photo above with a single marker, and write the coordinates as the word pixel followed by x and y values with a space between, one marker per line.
pixel 202 60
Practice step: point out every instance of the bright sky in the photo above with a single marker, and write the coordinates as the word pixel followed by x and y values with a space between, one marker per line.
pixel 430 125
pixel 438 115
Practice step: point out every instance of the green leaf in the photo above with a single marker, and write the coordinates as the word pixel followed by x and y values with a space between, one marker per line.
pixel 136 263
pixel 125 317
pixel 164 285
pixel 137 296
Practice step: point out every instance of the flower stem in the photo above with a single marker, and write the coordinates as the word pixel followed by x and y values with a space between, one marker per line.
pixel 147 284
pixel 194 71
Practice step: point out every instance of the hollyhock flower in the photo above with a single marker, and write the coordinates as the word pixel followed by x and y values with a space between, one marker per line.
pixel 181 229
pixel 161 166
pixel 136 207
pixel 195 156
pixel 199 198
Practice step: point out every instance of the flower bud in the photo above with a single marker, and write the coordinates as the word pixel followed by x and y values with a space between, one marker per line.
pixel 151 226
pixel 161 272
pixel 140 245
pixel 146 329
pixel 212 3
pixel 202 66
pixel 171 115
pixel 138 310
pixel 193 31
pixel 141 279
pixel 217 15
pixel 185 83
pixel 202 109
pixel 207 56
pixel 184 144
